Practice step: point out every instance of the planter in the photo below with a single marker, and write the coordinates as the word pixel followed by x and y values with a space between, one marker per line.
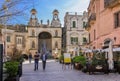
pixel 20 69
pixel 78 66
pixel 118 69
pixel 12 78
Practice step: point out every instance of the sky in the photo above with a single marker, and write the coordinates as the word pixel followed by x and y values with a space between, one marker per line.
pixel 45 8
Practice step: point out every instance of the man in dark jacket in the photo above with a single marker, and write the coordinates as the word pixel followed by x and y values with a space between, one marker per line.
pixel 44 58
pixel 36 60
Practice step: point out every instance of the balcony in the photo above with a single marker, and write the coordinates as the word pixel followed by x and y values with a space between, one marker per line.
pixel 87 26
pixel 111 3
pixel 92 18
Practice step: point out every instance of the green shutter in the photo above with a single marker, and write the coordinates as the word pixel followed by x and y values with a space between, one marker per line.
pixel 8 38
pixel 71 40
pixel 74 24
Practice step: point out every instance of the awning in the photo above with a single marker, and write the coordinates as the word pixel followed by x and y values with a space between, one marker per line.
pixel 88 51
pixel 116 49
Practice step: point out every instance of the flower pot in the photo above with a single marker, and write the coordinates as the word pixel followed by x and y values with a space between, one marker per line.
pixel 118 69
pixel 12 78
pixel 78 66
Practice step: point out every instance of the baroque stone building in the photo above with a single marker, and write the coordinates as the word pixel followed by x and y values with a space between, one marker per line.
pixel 36 36
pixel 75 33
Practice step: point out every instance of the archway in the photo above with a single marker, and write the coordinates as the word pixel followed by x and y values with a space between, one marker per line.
pixel 45 42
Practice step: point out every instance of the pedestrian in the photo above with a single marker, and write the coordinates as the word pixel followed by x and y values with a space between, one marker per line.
pixel 44 58
pixel 30 57
pixel 36 61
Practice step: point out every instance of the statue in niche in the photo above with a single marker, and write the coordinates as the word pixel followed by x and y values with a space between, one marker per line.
pixel 56 44
pixel 56 33
pixel 33 33
pixel 33 44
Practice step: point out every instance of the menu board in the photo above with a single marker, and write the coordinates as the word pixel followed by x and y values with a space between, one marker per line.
pixel 67 58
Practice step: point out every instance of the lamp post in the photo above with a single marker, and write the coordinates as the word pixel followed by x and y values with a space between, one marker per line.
pixel 1 58
pixel 5 33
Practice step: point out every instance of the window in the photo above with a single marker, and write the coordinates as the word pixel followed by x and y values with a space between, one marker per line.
pixel 89 38
pixel 94 34
pixel 74 24
pixel 74 40
pixel 84 40
pixel 19 40
pixel 117 19
pixel 84 24
pixel 8 38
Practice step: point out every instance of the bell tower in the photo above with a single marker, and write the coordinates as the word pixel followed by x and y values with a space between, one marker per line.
pixel 55 20
pixel 33 19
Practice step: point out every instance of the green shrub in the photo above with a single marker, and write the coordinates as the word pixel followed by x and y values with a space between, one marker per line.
pixel 12 68
pixel 61 57
pixel 79 59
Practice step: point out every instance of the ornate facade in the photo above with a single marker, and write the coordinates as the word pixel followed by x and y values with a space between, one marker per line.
pixel 36 36
pixel 76 35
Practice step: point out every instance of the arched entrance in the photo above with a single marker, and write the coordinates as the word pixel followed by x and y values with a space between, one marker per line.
pixel 109 54
pixel 45 42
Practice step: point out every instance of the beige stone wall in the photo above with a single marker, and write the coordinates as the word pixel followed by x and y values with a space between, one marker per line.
pixel 40 30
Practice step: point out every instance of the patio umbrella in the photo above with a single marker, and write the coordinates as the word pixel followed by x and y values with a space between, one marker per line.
pixel 110 56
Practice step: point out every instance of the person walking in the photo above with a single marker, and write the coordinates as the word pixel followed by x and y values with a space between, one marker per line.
pixel 36 61
pixel 44 58
pixel 30 57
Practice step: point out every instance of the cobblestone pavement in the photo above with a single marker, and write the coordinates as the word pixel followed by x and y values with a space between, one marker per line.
pixel 54 72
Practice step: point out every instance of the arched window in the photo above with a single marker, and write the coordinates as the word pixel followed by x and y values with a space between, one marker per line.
pixel 33 44
pixel 74 24
pixel 106 43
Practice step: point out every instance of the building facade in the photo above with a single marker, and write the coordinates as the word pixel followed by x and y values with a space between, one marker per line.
pixel 36 36
pixel 75 34
pixel 104 23
pixel 104 28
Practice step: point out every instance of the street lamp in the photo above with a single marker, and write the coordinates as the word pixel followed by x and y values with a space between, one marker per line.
pixel 5 34
pixel 1 58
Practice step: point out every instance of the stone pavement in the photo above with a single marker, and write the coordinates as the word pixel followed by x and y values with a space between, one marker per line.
pixel 54 72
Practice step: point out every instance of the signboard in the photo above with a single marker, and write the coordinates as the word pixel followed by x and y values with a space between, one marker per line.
pixel 67 58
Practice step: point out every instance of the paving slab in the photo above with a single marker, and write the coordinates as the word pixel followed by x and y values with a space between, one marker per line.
pixel 54 72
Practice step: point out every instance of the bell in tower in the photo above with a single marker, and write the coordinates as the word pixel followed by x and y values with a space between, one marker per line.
pixel 33 13
pixel 33 19
pixel 55 14
pixel 55 21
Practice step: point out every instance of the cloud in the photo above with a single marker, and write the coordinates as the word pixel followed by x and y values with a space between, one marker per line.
pixel 64 6
pixel 73 6
pixel 76 5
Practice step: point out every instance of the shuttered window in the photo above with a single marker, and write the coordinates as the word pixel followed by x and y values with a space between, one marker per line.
pixel 117 20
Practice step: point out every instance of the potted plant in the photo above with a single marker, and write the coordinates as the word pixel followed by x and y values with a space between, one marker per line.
pixel 79 62
pixel 61 58
pixel 118 67
pixel 12 71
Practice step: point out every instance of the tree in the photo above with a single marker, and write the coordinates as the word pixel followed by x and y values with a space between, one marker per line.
pixel 11 9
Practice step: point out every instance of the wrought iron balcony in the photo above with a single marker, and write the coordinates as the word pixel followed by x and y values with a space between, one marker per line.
pixel 111 3
pixel 92 18
pixel 87 26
